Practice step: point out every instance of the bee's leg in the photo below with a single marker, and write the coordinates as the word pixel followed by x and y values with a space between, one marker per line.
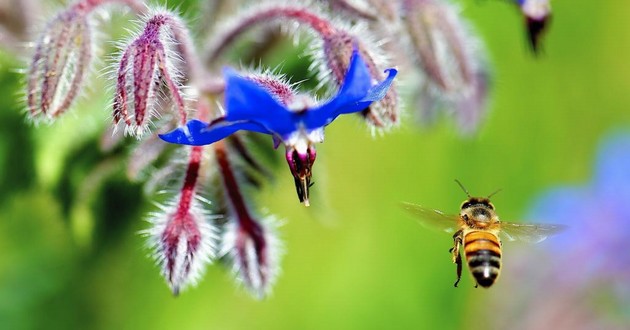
pixel 458 261
pixel 457 258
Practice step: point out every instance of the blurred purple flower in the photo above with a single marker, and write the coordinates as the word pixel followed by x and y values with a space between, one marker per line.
pixel 587 265
pixel 597 215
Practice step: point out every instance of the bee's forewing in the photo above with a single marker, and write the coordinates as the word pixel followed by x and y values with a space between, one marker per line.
pixel 434 219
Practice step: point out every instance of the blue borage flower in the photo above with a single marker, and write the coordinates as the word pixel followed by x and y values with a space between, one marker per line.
pixel 251 107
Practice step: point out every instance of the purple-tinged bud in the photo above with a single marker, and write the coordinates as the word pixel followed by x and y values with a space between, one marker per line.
pixel 450 58
pixel 182 234
pixel 253 249
pixel 439 39
pixel 63 55
pixel 183 240
pixel 144 65
pixel 337 52
pixel 470 108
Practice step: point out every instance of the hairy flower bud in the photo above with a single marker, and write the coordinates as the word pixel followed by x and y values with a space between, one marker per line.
pixel 183 240
pixel 145 64
pixel 253 250
pixel 337 49
pixel 63 54
pixel 450 58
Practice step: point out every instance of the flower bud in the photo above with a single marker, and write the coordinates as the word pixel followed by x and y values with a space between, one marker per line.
pixel 338 48
pixel 144 65
pixel 254 251
pixel 63 54
pixel 183 240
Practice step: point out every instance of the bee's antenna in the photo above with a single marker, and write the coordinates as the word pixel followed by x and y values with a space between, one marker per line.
pixel 463 188
pixel 494 193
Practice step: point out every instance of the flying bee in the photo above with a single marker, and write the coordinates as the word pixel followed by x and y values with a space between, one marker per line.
pixel 477 229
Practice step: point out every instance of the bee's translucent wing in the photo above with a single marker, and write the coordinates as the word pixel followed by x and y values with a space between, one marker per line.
pixel 530 232
pixel 434 219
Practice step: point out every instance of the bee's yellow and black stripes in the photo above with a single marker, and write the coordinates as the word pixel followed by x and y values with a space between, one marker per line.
pixel 483 254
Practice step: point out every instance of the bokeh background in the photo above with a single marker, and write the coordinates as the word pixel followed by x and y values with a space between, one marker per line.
pixel 71 255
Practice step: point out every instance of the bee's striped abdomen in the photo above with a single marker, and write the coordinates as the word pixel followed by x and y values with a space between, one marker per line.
pixel 483 255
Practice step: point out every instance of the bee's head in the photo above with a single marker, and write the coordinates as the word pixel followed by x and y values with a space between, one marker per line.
pixel 476 202
pixel 478 212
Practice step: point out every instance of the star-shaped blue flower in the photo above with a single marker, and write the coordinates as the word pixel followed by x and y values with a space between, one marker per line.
pixel 251 107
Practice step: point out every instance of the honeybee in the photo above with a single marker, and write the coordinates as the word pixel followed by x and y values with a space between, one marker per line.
pixel 477 229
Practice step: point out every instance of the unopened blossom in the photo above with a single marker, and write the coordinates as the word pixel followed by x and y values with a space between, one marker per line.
pixel 251 246
pixel 298 126
pixel 183 243
pixel 253 250
pixel 537 14
pixel 145 64
pixel 61 60
pixel 450 57
pixel 182 233
pixel 338 46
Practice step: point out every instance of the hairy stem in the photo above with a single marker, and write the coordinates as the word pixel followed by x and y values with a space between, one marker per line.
pixel 319 24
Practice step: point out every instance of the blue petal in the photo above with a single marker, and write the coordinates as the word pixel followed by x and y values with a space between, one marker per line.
pixel 198 133
pixel 246 100
pixel 612 173
pixel 356 94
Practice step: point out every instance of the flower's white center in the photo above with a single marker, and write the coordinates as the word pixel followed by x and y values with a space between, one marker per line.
pixel 300 140
pixel 300 102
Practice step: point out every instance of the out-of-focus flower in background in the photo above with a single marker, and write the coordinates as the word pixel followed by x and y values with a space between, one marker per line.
pixel 583 281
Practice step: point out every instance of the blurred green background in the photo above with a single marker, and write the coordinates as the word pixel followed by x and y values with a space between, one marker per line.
pixel 354 259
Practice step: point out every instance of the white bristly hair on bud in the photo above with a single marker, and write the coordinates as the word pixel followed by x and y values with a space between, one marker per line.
pixel 183 263
pixel 256 278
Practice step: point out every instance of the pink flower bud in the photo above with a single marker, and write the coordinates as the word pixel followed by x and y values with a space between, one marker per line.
pixel 450 57
pixel 338 47
pixel 254 251
pixel 63 54
pixel 183 240
pixel 144 65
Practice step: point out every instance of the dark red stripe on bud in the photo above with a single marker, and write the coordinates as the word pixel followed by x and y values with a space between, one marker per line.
pixel 143 67
pixel 251 246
